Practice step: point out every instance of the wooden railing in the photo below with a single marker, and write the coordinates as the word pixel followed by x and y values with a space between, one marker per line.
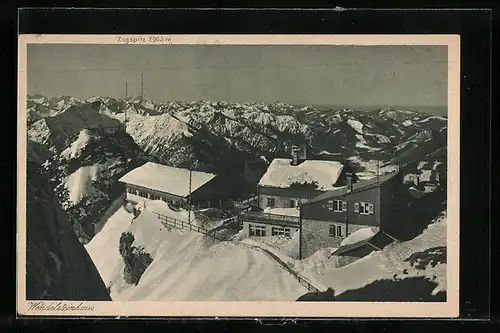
pixel 254 198
pixel 302 280
pixel 224 223
pixel 182 225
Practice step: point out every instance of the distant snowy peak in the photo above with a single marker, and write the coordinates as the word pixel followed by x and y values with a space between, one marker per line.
pixel 356 125
pixel 407 123
pixel 140 109
pixel 60 130
pixel 155 132
pixel 433 118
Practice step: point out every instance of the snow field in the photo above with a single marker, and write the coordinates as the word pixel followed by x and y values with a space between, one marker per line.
pixel 188 266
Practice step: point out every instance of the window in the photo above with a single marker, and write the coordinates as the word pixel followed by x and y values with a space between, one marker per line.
pixel 292 203
pixel 364 208
pixel 271 202
pixel 142 194
pixel 332 231
pixel 337 205
pixel 335 230
pixel 280 231
pixel 339 231
pixel 257 230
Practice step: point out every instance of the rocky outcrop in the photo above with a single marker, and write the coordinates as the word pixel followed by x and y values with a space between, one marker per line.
pixel 58 267
pixel 135 259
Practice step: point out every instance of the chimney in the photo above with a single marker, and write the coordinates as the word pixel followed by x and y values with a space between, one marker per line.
pixel 348 176
pixel 295 157
pixel 302 152
pixel 417 181
pixel 295 153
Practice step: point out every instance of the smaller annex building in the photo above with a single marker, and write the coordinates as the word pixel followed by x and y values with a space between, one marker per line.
pixel 326 220
pixel 153 181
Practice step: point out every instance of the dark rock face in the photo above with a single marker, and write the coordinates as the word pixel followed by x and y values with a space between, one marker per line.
pixel 135 259
pixel 414 289
pixel 58 266
pixel 120 152
pixel 430 257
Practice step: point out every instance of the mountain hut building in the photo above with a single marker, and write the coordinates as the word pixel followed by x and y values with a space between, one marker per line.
pixel 177 186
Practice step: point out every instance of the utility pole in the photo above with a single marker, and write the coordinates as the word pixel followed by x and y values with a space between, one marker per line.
pixel 378 172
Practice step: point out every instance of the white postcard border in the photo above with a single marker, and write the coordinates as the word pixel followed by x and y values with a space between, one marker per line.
pixel 447 309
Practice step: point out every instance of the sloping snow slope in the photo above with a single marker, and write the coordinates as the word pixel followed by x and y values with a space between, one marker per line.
pixel 103 248
pixel 188 266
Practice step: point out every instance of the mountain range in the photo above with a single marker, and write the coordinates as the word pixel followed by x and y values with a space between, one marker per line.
pixel 88 144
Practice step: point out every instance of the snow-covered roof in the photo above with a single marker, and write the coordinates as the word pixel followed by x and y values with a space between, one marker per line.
pixel 283 211
pixel 359 236
pixel 166 179
pixel 282 174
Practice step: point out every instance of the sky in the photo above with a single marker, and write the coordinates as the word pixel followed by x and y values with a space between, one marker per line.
pixel 350 76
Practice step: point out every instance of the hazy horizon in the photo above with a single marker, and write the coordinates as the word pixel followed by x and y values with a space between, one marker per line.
pixel 364 77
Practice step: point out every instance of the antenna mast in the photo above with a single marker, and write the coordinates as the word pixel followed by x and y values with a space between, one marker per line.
pixel 142 84
pixel 126 97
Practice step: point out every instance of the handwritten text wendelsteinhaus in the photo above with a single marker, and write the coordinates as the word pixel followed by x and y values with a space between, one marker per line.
pixel 144 40
pixel 58 306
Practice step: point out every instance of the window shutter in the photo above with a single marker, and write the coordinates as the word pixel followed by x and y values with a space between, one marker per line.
pixel 356 207
pixel 330 204
pixel 344 206
pixel 370 208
